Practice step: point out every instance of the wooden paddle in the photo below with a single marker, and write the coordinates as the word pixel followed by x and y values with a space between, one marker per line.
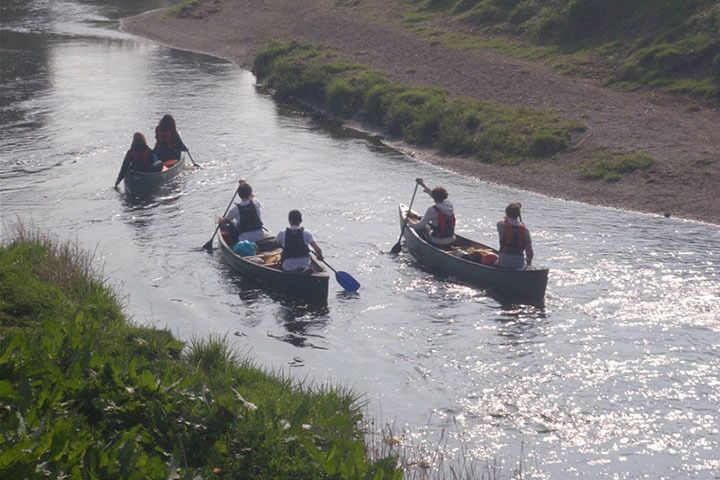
pixel 208 246
pixel 397 247
pixel 195 164
pixel 345 280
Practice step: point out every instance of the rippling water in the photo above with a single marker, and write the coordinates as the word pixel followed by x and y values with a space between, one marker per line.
pixel 617 377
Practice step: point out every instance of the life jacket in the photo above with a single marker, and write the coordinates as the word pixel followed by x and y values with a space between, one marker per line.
pixel 446 225
pixel 141 159
pixel 295 246
pixel 513 239
pixel 249 218
pixel 165 136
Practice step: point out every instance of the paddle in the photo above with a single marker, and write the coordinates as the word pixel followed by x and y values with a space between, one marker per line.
pixel 343 278
pixel 397 247
pixel 195 164
pixel 208 245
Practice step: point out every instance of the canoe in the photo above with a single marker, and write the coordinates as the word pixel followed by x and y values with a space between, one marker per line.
pixel 525 286
pixel 311 287
pixel 137 183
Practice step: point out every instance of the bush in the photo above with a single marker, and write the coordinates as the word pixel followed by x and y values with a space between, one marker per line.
pixel 608 165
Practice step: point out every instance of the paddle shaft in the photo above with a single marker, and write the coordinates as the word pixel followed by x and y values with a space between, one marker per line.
pixel 396 247
pixel 195 164
pixel 343 278
pixel 208 245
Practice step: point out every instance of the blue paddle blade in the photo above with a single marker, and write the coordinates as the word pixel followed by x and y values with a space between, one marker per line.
pixel 347 281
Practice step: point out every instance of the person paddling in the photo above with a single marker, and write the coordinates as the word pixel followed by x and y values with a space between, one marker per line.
pixel 168 144
pixel 515 243
pixel 296 243
pixel 438 223
pixel 139 158
pixel 246 216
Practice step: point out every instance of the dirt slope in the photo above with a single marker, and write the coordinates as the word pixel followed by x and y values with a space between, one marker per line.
pixel 685 141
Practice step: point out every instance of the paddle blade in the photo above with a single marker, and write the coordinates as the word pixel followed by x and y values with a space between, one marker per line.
pixel 208 245
pixel 347 281
pixel 396 248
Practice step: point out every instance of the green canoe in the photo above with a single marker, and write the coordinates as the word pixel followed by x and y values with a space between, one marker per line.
pixel 138 183
pixel 311 287
pixel 524 286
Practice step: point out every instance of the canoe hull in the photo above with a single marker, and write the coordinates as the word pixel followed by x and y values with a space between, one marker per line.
pixel 138 183
pixel 312 288
pixel 526 286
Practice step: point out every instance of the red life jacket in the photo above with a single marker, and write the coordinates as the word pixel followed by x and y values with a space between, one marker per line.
pixel 513 239
pixel 446 225
pixel 141 159
pixel 165 136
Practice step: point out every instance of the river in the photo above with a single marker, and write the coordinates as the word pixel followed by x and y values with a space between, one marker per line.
pixel 618 376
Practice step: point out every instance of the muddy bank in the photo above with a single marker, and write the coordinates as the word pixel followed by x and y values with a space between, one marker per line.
pixel 684 140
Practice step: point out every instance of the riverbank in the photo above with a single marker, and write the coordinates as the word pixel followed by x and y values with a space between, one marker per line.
pixel 682 138
pixel 87 394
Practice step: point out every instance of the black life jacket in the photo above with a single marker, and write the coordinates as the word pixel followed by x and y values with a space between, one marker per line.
pixel 446 225
pixel 141 159
pixel 249 218
pixel 294 245
pixel 165 136
pixel 513 239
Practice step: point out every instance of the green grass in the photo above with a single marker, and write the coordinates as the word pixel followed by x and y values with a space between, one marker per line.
pixel 86 394
pixel 671 44
pixel 610 165
pixel 182 6
pixel 422 116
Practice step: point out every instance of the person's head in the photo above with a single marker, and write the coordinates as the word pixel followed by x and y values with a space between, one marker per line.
pixel 244 190
pixel 167 121
pixel 513 210
pixel 439 194
pixel 139 140
pixel 295 217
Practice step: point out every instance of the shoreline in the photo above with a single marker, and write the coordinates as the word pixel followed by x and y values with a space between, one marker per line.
pixel 683 183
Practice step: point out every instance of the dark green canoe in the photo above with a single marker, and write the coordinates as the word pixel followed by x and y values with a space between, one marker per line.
pixel 138 183
pixel 312 287
pixel 525 286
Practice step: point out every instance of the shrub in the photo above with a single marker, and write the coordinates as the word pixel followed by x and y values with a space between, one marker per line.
pixel 608 165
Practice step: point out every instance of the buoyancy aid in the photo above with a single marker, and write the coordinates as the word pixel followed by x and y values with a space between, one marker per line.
pixel 165 136
pixel 294 245
pixel 513 239
pixel 446 225
pixel 141 159
pixel 249 218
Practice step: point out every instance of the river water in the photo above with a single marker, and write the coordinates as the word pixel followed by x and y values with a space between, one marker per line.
pixel 618 376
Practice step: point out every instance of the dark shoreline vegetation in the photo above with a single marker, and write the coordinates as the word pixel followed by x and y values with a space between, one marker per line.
pixel 672 45
pixel 422 116
pixel 87 394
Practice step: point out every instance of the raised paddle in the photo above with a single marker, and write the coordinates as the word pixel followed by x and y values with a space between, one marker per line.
pixel 397 247
pixel 343 278
pixel 208 245
pixel 195 164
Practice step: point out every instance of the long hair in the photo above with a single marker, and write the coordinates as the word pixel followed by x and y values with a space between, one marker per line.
pixel 167 121
pixel 139 141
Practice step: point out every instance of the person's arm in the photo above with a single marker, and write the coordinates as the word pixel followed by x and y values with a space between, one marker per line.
pixel 257 208
pixel 178 141
pixel 420 182
pixel 318 252
pixel 430 215
pixel 529 254
pixel 233 216
pixel 123 169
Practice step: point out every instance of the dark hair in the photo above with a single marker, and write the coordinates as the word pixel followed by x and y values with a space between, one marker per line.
pixel 244 190
pixel 439 194
pixel 295 217
pixel 513 210
pixel 167 121
pixel 139 140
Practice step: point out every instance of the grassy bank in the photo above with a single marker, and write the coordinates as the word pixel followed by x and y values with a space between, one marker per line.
pixel 86 394
pixel 425 117
pixel 670 44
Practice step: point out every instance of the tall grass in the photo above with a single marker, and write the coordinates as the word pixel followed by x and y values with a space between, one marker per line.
pixel 422 116
pixel 86 394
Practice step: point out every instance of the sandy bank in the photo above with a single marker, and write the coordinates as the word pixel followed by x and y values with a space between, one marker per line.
pixel 684 141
